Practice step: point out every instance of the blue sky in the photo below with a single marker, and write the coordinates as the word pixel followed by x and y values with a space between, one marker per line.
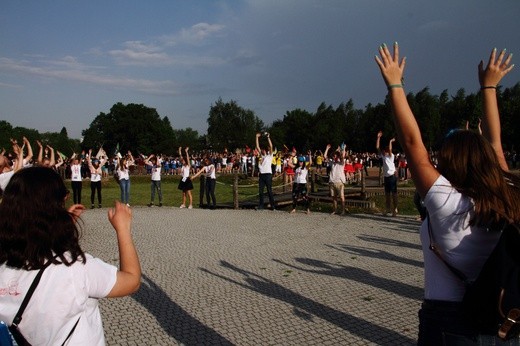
pixel 64 62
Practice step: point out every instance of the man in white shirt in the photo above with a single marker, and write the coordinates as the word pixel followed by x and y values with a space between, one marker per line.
pixel 265 176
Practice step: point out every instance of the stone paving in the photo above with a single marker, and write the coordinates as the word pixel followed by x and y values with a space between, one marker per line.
pixel 245 277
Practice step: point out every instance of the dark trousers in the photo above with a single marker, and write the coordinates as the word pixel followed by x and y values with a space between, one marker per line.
pixel 265 180
pixel 76 191
pixel 210 191
pixel 299 191
pixel 95 186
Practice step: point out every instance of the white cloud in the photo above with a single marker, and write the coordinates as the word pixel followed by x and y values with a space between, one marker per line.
pixel 164 87
pixel 193 35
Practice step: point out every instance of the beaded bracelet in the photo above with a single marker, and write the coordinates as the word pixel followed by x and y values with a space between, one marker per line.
pixel 393 86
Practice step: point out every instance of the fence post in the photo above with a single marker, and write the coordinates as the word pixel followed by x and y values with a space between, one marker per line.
pixel 363 185
pixel 313 180
pixel 202 190
pixel 235 191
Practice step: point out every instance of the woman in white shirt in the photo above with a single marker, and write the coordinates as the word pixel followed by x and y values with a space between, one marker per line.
pixel 96 170
pixel 299 188
pixel 123 175
pixel 36 231
pixel 185 185
pixel 210 181
pixel 76 179
pixel 470 196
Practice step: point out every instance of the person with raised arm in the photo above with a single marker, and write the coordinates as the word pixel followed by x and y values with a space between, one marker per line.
pixel 265 175
pixel 39 235
pixel 470 197
pixel 185 184
pixel 337 178
pixel 389 171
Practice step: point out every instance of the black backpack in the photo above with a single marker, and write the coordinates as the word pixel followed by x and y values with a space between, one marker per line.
pixel 492 302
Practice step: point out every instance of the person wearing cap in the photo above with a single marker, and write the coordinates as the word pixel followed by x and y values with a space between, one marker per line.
pixel 265 175
pixel 299 188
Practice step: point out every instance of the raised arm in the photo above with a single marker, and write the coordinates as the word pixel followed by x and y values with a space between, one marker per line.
pixel 40 152
pixel 390 145
pixel 310 158
pixel 187 156
pixel 378 141
pixel 257 141
pixel 408 131
pixel 129 274
pixel 52 158
pixel 326 152
pixel 489 77
pixel 270 143
pixel 29 149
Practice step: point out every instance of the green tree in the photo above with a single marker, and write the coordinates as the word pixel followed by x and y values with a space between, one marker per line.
pixel 231 126
pixel 133 127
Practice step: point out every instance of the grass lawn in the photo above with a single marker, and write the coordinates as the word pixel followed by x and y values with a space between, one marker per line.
pixel 248 191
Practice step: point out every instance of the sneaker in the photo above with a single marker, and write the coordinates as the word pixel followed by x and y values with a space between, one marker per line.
pixel 150 204
pixel 92 206
pixel 99 206
pixel 395 212
pixel 183 206
pixel 160 204
pixel 128 204
pixel 190 207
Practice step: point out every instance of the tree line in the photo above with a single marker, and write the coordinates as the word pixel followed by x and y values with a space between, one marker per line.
pixel 141 129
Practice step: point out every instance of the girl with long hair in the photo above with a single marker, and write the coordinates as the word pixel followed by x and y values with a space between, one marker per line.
pixel 470 197
pixel 37 231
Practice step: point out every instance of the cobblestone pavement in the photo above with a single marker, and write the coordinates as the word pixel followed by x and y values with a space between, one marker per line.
pixel 228 277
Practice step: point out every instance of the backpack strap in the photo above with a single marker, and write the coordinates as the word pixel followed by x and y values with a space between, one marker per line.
pixel 436 251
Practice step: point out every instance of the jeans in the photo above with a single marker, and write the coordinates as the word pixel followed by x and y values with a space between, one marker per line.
pixel 124 184
pixel 265 180
pixel 444 323
pixel 156 185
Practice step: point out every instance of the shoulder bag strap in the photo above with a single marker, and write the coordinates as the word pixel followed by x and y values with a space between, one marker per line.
pixel 18 317
pixel 436 251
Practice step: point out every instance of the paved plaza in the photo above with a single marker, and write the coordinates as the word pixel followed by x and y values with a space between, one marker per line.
pixel 246 277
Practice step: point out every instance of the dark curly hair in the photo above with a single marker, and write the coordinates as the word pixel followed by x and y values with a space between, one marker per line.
pixel 35 227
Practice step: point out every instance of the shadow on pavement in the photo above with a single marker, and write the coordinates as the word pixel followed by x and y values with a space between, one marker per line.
pixel 173 319
pixel 374 253
pixel 306 308
pixel 356 274
pixel 390 242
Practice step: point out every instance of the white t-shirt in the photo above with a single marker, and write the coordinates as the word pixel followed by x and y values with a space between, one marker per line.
pixel 156 172
pixel 300 175
pixel 210 172
pixel 265 164
pixel 75 172
pixel 388 165
pixel 64 295
pixel 5 178
pixel 185 172
pixel 337 173
pixel 464 247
